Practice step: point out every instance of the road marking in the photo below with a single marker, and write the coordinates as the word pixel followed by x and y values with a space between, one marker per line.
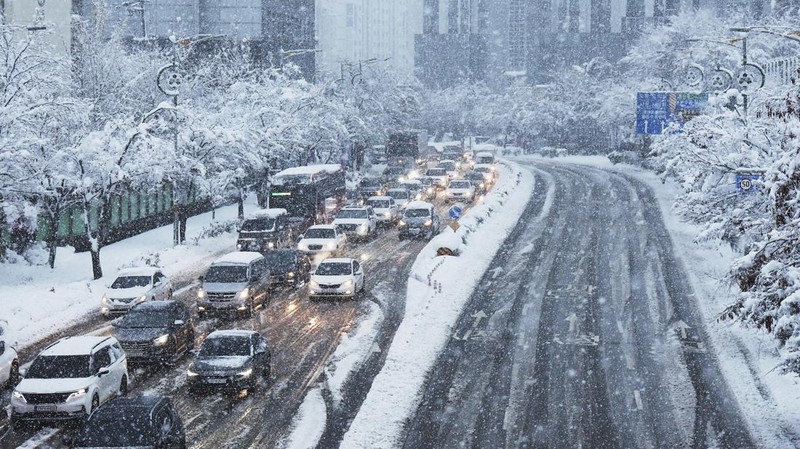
pixel 521 339
pixel 573 324
pixel 376 348
pixel 526 308
pixel 507 417
pixel 681 328
pixel 637 396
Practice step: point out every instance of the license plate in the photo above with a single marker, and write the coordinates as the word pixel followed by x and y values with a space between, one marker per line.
pixel 216 381
pixel 44 408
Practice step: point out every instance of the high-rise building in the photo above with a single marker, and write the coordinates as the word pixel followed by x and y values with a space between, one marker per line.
pixel 382 32
pixel 273 28
pixel 452 46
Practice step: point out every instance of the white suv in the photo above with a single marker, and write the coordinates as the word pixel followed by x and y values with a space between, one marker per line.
pixel 357 222
pixel 9 364
pixel 70 379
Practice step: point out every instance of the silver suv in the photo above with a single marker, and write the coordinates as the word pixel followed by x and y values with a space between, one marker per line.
pixel 70 379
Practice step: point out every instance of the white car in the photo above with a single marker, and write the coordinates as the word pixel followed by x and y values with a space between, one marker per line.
pixel 337 277
pixel 322 239
pixel 459 190
pixel 488 171
pixel 385 209
pixel 439 175
pixel 401 196
pixel 135 285
pixel 357 222
pixel 9 363
pixel 70 379
pixel 452 167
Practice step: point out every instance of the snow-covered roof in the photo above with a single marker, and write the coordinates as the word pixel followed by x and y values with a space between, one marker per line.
pixel 419 205
pixel 398 189
pixel 138 271
pixel 322 227
pixel 414 182
pixel 81 345
pixel 304 171
pixel 268 213
pixel 238 258
pixel 379 198
pixel 354 207
pixel 230 333
pixel 484 154
pixel 337 260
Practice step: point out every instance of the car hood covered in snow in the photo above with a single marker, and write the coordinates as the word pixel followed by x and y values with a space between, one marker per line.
pixel 224 287
pixel 53 385
pixel 332 279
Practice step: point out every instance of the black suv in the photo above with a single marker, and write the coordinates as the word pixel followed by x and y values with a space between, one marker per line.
pixel 265 231
pixel 288 266
pixel 156 331
pixel 370 187
pixel 232 359
pixel 148 421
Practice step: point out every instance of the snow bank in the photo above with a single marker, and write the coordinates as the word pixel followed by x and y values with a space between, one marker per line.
pixel 431 316
pixel 309 423
pixel 36 301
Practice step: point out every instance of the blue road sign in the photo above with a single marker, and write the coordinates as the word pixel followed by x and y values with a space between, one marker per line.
pixel 656 110
pixel 747 182
pixel 456 211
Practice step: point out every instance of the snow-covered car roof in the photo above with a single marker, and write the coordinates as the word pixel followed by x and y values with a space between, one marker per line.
pixel 230 333
pixel 398 189
pixel 419 205
pixel 138 271
pixel 80 345
pixel 484 153
pixel 309 170
pixel 413 182
pixel 268 213
pixel 238 258
pixel 337 260
pixel 322 227
pixel 379 198
pixel 354 207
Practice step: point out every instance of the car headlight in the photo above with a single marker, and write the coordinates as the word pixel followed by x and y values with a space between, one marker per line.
pixel 348 283
pixel 313 283
pixel 291 274
pixel 271 245
pixel 246 373
pixel 239 246
pixel 191 373
pixel 429 222
pixel 105 300
pixel 482 185
pixel 201 293
pixel 430 190
pixel 244 294
pixel 330 246
pixel 141 298
pixel 18 396
pixel 77 395
pixel 162 340
pixel 401 223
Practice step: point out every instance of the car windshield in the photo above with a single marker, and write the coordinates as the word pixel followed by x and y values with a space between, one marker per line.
pixel 258 224
pixel 59 367
pixel 226 346
pixel 131 281
pixel 145 318
pixel 398 194
pixel 370 183
pixel 319 233
pixel 436 172
pixel 334 269
pixel 380 204
pixel 460 185
pixel 417 213
pixel 482 169
pixel 352 213
pixel 131 427
pixel 281 259
pixel 226 273
pixel 451 156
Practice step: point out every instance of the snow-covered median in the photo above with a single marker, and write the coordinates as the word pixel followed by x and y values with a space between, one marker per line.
pixel 36 301
pixel 430 316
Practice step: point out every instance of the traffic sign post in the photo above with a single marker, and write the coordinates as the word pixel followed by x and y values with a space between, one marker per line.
pixel 656 110
pixel 455 211
pixel 747 181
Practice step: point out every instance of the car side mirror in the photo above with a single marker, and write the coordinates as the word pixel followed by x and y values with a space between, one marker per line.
pixel 103 371
pixel 200 278
pixel 300 237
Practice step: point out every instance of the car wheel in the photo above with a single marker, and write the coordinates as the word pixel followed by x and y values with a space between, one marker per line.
pixel 95 404
pixel 13 375
pixel 250 308
pixel 183 443
pixel 123 386
pixel 170 293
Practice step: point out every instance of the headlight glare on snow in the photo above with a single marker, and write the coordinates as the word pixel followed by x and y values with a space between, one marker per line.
pixel 77 395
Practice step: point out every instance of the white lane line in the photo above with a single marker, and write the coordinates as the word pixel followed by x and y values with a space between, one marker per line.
pixel 637 396
pixel 526 308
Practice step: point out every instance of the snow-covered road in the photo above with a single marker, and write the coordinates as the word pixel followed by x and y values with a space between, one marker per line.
pixel 584 332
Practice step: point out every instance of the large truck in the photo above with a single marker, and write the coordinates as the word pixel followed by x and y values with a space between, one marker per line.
pixel 311 194
pixel 406 146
